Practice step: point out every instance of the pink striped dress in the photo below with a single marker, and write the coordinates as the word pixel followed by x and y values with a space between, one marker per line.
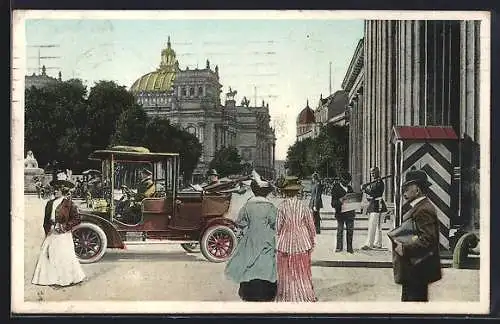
pixel 295 241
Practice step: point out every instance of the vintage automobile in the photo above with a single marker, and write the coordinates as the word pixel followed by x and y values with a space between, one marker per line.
pixel 189 217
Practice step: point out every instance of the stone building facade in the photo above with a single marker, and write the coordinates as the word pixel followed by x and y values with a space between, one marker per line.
pixel 415 73
pixel 40 80
pixel 190 98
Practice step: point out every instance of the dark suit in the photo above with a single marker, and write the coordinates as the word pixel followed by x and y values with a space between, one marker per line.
pixel 416 278
pixel 66 214
pixel 316 202
pixel 346 218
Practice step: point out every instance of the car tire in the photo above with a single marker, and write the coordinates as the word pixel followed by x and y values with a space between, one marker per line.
pixel 218 243
pixel 191 247
pixel 90 242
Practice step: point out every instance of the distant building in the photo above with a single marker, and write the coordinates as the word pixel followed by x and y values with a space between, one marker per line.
pixel 306 124
pixel 40 80
pixel 190 98
pixel 332 109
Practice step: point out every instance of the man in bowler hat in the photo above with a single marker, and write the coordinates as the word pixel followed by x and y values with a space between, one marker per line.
pixel 416 277
pixel 316 202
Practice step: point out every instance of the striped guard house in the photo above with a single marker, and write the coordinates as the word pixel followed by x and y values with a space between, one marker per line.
pixel 432 149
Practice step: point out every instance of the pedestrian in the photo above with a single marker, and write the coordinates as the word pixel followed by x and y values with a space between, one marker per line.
pixel 57 264
pixel 316 201
pixel 416 263
pixel 253 263
pixel 376 208
pixel 344 219
pixel 296 234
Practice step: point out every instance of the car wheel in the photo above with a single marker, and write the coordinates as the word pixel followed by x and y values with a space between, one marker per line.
pixel 90 242
pixel 218 243
pixel 191 247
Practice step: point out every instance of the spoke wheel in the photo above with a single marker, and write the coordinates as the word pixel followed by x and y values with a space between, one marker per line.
pixel 90 242
pixel 218 243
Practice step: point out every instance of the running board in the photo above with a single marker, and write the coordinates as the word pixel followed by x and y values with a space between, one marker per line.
pixel 147 242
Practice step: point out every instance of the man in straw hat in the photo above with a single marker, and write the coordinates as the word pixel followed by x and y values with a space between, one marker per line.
pixel 415 277
pixel 146 187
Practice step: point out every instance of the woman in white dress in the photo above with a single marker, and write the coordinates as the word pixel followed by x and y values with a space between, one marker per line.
pixel 57 264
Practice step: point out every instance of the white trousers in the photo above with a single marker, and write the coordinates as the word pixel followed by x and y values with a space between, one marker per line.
pixel 374 237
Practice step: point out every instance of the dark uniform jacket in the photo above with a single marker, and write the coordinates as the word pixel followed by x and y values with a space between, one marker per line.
pixel 66 214
pixel 375 192
pixel 316 193
pixel 337 193
pixel 428 270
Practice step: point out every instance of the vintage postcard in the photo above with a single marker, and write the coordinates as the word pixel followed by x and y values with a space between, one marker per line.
pixel 250 162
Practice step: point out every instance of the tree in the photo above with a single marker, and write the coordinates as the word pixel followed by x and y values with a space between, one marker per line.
pixel 161 136
pixel 130 127
pixel 107 101
pixel 53 122
pixel 227 161
pixel 326 154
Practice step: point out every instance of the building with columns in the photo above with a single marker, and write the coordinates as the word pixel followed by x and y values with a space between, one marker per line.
pixel 415 73
pixel 190 98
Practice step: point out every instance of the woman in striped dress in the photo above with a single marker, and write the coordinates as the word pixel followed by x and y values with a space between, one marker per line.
pixel 296 233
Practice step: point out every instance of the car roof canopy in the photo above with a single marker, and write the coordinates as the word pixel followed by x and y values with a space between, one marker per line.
pixel 130 153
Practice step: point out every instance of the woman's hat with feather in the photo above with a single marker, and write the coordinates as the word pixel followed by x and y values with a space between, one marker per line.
pixel 62 181
pixel 259 187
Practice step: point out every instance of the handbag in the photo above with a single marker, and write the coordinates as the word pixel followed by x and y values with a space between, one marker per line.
pixel 406 233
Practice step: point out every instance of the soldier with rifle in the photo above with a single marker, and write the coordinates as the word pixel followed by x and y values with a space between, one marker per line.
pixel 376 207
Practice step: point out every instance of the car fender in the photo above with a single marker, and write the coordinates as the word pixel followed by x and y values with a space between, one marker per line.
pixel 218 221
pixel 114 239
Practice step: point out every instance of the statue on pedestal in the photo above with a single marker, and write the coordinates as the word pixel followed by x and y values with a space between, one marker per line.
pixel 31 172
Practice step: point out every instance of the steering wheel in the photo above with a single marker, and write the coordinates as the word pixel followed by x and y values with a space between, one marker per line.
pixel 127 192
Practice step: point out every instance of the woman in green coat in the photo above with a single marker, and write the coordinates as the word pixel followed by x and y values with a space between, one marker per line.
pixel 253 264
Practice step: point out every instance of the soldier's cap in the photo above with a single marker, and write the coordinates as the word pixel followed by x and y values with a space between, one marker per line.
pixel 146 171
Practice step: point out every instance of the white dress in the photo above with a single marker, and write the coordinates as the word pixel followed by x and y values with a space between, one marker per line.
pixel 57 263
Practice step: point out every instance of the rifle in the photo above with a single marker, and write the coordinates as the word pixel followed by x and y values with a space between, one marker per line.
pixel 364 185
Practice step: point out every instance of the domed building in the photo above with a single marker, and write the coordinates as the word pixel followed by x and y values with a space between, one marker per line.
pixel 190 98
pixel 306 123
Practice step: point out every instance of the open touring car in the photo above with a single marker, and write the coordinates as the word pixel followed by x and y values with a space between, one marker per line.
pixel 187 217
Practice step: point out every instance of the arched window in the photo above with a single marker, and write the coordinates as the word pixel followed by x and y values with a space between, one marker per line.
pixel 200 91
pixel 191 91
pixel 183 92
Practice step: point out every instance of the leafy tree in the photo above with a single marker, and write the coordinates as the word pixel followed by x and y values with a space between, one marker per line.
pixel 107 101
pixel 327 153
pixel 130 127
pixel 227 161
pixel 161 136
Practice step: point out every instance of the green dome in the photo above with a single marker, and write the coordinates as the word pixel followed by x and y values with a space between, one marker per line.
pixel 163 78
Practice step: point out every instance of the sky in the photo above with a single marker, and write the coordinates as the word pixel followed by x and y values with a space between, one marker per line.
pixel 284 62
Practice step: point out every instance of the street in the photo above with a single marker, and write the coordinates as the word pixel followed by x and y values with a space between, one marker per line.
pixel 168 273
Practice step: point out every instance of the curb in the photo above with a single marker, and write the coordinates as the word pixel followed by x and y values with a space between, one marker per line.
pixel 361 264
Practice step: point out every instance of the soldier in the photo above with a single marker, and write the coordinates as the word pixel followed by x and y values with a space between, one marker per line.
pixel 376 208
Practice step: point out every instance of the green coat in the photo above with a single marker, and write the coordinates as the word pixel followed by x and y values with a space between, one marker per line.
pixel 255 254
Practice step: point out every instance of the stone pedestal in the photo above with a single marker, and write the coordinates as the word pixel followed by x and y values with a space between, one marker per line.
pixel 31 171
pixel 29 179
